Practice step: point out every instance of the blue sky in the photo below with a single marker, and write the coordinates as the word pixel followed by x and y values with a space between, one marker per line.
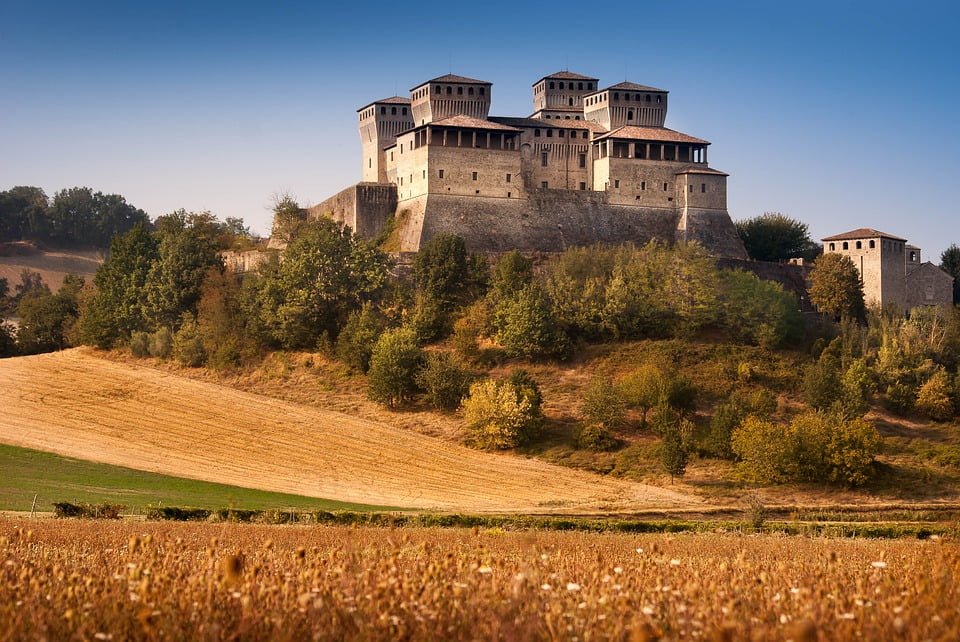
pixel 842 114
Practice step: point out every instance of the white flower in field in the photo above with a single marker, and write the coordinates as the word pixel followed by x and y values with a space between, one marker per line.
pixel 878 564
pixel 618 570
pixel 100 635
pixel 794 590
pixel 573 586
pixel 546 587
pixel 674 562
pixel 647 610
pixel 784 619
pixel 484 570
pixel 236 595
pixel 847 616
pixel 640 550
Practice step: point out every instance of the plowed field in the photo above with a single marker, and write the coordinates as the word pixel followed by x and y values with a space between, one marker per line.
pixel 76 404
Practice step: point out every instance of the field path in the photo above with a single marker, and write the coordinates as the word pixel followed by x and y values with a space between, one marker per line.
pixel 77 404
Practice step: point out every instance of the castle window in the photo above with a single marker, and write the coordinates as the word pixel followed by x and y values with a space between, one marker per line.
pixel 470 91
pixel 369 162
pixel 583 186
pixel 659 99
pixel 703 188
pixel 424 173
pixel 509 177
pixel 549 133
pixel 630 115
pixel 391 155
pixel 582 160
pixel 544 184
pixel 439 173
pixel 393 111
pixel 411 178
pixel 643 185
pixel 665 187
pixel 859 245
pixel 691 189
pixel 566 118
pixel 481 91
pixel 579 85
pixel 437 89
pixel 616 95
pixel 449 90
pixel 571 102
pixel 561 85
pixel 536 132
pixel 576 118
pixel 913 257
pixel 551 84
pixel 404 111
pixel 833 246
pixel 509 194
pixel 474 176
pixel 476 191
pixel 543 159
pixel 459 91
pixel 616 183
pixel 846 245
pixel 648 97
pixel 383 110
pixel 560 133
pixel 873 244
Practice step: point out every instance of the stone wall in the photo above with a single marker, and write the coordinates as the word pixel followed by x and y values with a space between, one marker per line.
pixel 365 207
pixel 245 261
pixel 927 284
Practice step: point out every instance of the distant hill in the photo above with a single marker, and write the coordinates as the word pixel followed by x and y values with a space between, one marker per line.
pixel 52 265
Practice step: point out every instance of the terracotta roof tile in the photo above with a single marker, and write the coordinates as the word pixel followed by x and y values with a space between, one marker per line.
pixel 393 100
pixel 474 123
pixel 862 233
pixel 702 170
pixel 632 86
pixel 453 78
pixel 567 75
pixel 658 134
pixel 527 123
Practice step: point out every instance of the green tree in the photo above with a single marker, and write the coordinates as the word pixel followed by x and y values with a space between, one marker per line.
pixel 759 312
pixel 80 216
pixel 673 454
pixel 525 325
pixel 441 270
pixel 821 382
pixel 512 273
pixel 8 339
pixel 835 287
pixel 444 380
pixel 394 364
pixel 604 404
pixel 224 323
pixel 188 344
pixel 46 319
pixel 288 217
pixel 773 236
pixel 23 213
pixel 497 417
pixel 526 387
pixel 935 397
pixel 642 389
pixel 355 343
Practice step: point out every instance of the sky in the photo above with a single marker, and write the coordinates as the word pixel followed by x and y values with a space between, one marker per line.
pixel 840 114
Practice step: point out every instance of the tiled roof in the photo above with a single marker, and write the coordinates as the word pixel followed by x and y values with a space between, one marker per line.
pixel 474 123
pixel 632 86
pixel 393 100
pixel 453 78
pixel 862 233
pixel 703 170
pixel 659 134
pixel 555 123
pixel 566 75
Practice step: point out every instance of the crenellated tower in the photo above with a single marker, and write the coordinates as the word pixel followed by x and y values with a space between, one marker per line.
pixel 380 123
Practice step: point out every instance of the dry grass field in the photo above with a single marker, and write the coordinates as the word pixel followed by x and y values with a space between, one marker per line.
pixel 67 579
pixel 79 405
pixel 51 265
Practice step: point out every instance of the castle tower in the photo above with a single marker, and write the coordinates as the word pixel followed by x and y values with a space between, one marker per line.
pixel 627 103
pixel 380 123
pixel 880 259
pixel 559 96
pixel 450 95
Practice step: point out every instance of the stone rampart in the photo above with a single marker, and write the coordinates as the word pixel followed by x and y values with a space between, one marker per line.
pixel 365 207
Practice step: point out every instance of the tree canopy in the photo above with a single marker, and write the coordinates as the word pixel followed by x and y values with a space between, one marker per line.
pixel 835 287
pixel 773 236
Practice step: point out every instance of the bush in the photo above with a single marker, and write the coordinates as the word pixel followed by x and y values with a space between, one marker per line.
pixel 428 318
pixel 821 382
pixel 188 345
pixel 444 380
pixel 526 326
pixel 592 436
pixel 394 364
pixel 360 333
pixel 498 415
pixel 759 312
pixel 473 324
pixel 603 405
pixel 643 388
pixel 527 387
pixel 899 397
pixel 87 511
pixel 161 343
pixel 934 399
pixel 140 344
pixel 673 454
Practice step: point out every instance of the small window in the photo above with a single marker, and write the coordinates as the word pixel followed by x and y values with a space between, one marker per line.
pixel 544 184
pixel 859 245
pixel 580 86
pixel 459 91
pixel 393 111
pixel 543 159
pixel 424 173
pixel 913 257
pixel 643 185
pixel 536 132
pixel 846 245
pixel 561 86
pixel 873 244
pixel 549 133
pixel 481 91
pixel 616 183
pixel 440 173
pixel 383 111
pixel 470 91
pixel 560 133
pixel 474 176
pixel 436 89
pixel 404 110
pixel 616 95
pixel 476 191
pixel 703 188
pixel 509 177
pixel 648 97
pixel 570 102
pixel 551 84
pixel 833 246
pixel 583 186
pixel 449 90
pixel 665 187
pixel 659 99
pixel 582 160
pixel 509 194
pixel 630 115
pixel 369 162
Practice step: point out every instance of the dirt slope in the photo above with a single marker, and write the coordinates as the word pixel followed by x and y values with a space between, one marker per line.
pixel 77 404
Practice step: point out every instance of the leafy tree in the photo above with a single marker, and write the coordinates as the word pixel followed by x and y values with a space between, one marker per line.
pixel 642 389
pixel 288 218
pixel 441 269
pixel 935 397
pixel 512 273
pixel 81 216
pixel 855 386
pixel 731 414
pixel 326 274
pixel 474 323
pixel 23 213
pixel 604 404
pixel 46 319
pixel 591 436
pixel 30 281
pixel 759 312
pixel 835 287
pixel 773 236
pixel 525 325
pixel 497 417
pixel 526 387
pixel 224 322
pixel 8 339
pixel 355 343
pixel 673 454
pixel 444 380
pixel 950 263
pixel 821 382
pixel 116 307
pixel 394 364
pixel 188 344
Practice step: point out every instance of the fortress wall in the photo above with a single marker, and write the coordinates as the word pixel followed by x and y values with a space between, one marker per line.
pixel 459 163
pixel 365 207
pixel 563 169
pixel 239 262
pixel 713 229
pixel 634 174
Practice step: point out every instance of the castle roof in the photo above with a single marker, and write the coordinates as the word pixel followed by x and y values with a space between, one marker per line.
pixel 566 75
pixel 527 123
pixel 472 123
pixel 393 100
pixel 630 86
pixel 453 78
pixel 658 134
pixel 862 233
pixel 702 170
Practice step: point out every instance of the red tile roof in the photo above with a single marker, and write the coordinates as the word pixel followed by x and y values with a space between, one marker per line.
pixel 566 75
pixel 527 123
pixel 632 86
pixel 657 134
pixel 702 170
pixel 453 78
pixel 473 123
pixel 862 233
pixel 393 100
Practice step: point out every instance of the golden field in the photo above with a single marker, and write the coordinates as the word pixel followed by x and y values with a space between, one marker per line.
pixel 66 579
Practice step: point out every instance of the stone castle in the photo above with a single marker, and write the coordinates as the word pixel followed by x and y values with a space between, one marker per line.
pixel 588 165
pixel 891 270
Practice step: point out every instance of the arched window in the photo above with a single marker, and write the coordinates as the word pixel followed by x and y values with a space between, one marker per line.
pixel 616 95
pixel 859 245
pixel 481 91
pixel 580 86
pixel 571 102
pixel 561 85
pixel 551 84
pixel 833 247
pixel 846 245
pixel 393 111
pixel 873 244
pixel 459 91
pixel 648 97
pixel 436 89
pixel 630 115
pixel 470 91
pixel 449 90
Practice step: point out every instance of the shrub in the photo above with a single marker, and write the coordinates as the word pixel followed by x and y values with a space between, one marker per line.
pixel 899 397
pixel 188 345
pixel 161 343
pixel 821 382
pixel 140 344
pixel 394 364
pixel 87 511
pixel 428 318
pixel 360 333
pixel 673 455
pixel 512 273
pixel 498 416
pixel 444 380
pixel 758 311
pixel 527 387
pixel 526 326
pixel 643 388
pixel 603 405
pixel 473 324
pixel 592 436
pixel 934 399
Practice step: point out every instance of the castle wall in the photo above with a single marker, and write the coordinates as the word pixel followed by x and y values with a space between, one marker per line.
pixel 882 268
pixel 712 229
pixel 704 191
pixel 364 207
pixel 492 167
pixel 643 183
pixel 926 284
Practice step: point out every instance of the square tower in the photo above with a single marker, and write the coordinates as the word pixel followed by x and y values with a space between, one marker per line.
pixel 627 103
pixel 881 260
pixel 450 95
pixel 559 96
pixel 380 123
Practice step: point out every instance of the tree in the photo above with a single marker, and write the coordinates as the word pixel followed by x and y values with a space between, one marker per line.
pixel 673 455
pixel 773 236
pixel 444 380
pixel 288 217
pixel 46 319
pixel 188 344
pixel 512 273
pixel 821 382
pixel 526 327
pixel 355 343
pixel 81 216
pixel 23 213
pixel 835 287
pixel 604 404
pixel 394 364
pixel 935 398
pixel 441 269
pixel 497 417
pixel 758 311
pixel 642 389
pixel 950 263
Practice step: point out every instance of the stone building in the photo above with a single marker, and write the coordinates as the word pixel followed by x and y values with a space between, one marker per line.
pixel 588 165
pixel 892 271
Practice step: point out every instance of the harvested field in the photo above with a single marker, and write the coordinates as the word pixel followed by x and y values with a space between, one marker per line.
pixel 79 405
pixel 121 581
pixel 51 265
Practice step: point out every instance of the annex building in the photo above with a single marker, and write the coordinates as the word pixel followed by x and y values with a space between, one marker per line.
pixel 891 270
pixel 589 164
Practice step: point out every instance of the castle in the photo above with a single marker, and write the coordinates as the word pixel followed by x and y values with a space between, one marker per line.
pixel 588 165
pixel 892 271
